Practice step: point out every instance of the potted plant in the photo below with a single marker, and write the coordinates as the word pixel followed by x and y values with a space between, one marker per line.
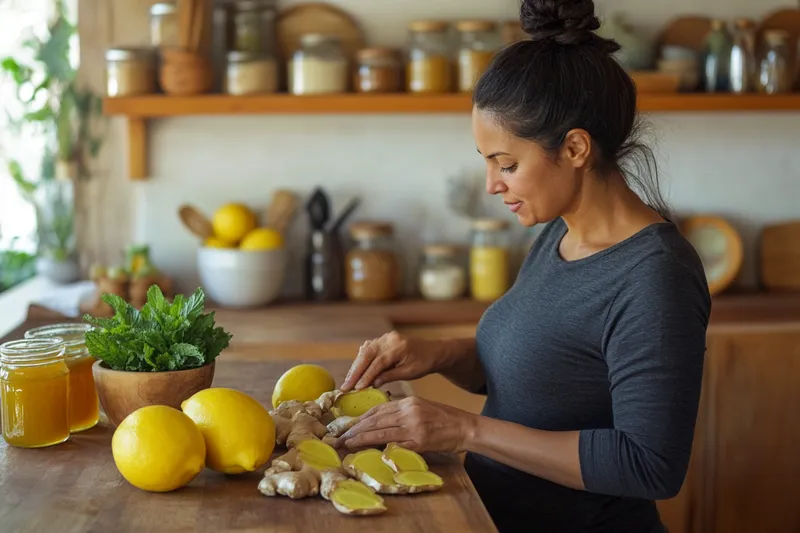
pixel 161 354
pixel 50 104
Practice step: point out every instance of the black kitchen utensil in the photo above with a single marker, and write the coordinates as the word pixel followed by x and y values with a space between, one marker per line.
pixel 345 214
pixel 318 209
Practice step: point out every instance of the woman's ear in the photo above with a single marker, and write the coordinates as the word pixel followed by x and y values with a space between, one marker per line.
pixel 577 148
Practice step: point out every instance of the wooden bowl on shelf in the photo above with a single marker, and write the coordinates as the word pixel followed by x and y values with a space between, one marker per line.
pixel 185 73
pixel 654 82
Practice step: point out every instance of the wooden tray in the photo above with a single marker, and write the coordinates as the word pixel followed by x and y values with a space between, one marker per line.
pixel 317 17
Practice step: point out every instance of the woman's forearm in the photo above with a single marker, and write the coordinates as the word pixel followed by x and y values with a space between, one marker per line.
pixel 551 455
pixel 460 364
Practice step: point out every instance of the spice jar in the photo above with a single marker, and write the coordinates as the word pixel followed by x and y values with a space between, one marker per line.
pixel 378 71
pixel 319 66
pixel 428 69
pixel 478 43
pixel 84 407
pixel 251 73
pixel 489 259
pixel 774 74
pixel 164 25
pixel 34 392
pixel 130 71
pixel 372 270
pixel 441 276
pixel 252 26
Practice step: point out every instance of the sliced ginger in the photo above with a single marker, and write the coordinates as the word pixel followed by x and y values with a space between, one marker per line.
pixel 356 403
pixel 402 459
pixel 352 501
pixel 368 467
pixel 318 455
pixel 415 482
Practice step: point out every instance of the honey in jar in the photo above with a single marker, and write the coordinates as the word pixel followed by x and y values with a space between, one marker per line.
pixel 372 269
pixel 34 392
pixel 489 260
pixel 428 69
pixel 84 406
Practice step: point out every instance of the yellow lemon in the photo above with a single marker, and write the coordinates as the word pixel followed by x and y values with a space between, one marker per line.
pixel 262 239
pixel 239 432
pixel 216 242
pixel 302 382
pixel 232 222
pixel 158 449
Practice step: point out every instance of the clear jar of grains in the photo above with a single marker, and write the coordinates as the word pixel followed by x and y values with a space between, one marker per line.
pixel 489 259
pixel 441 275
pixel 775 74
pixel 428 68
pixel 164 25
pixel 319 66
pixel 378 71
pixel 372 269
pixel 130 71
pixel 251 73
pixel 478 43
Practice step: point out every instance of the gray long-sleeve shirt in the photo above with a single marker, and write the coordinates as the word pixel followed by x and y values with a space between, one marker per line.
pixel 611 346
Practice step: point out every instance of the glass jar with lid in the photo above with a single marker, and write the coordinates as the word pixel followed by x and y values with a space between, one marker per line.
pixel 130 71
pixel 441 274
pixel 428 69
pixel 319 66
pixel 489 259
pixel 250 73
pixel 372 268
pixel 478 42
pixel 164 25
pixel 378 71
pixel 775 74
pixel 252 26
pixel 84 406
pixel 34 392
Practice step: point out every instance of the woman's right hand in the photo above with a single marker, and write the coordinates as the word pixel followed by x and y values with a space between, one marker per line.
pixel 392 357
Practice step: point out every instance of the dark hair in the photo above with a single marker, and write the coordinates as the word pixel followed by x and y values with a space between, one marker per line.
pixel 565 77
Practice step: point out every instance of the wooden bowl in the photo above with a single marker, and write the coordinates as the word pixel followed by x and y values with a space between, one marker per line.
pixel 122 393
pixel 656 82
pixel 185 73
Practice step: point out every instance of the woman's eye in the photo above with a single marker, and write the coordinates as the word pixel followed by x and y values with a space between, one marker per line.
pixel 512 168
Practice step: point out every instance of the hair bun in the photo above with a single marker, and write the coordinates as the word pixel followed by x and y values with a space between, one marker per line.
pixel 567 22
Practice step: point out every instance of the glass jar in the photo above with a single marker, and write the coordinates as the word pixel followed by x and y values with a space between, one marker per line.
pixel 252 26
pixel 319 66
pixel 372 270
pixel 378 71
pixel 251 73
pixel 428 69
pixel 489 259
pixel 84 407
pixel 130 71
pixel 164 25
pixel 34 392
pixel 774 74
pixel 478 43
pixel 441 275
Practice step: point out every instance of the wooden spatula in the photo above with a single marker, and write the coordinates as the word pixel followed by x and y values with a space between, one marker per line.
pixel 195 222
pixel 281 210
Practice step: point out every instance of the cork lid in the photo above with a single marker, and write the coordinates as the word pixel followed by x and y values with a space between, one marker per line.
pixel 475 25
pixel 489 224
pixel 371 228
pixel 376 53
pixel 429 26
pixel 441 250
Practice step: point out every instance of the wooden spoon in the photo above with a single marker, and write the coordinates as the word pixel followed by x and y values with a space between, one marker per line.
pixel 196 222
pixel 281 210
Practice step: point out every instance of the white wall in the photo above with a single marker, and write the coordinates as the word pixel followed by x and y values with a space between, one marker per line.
pixel 743 166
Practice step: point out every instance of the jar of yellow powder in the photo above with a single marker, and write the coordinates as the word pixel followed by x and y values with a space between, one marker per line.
pixel 428 69
pixel 489 259
pixel 478 41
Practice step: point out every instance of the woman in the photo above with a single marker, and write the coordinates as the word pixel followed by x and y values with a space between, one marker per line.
pixel 591 363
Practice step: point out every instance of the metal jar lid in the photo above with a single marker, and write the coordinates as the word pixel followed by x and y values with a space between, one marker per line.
pixel 130 54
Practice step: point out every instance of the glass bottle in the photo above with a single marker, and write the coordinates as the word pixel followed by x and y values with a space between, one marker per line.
pixel 441 275
pixel 717 58
pixel 378 71
pixel 428 68
pixel 319 66
pixel 372 270
pixel 489 259
pixel 250 73
pixel 84 406
pixel 164 25
pixel 253 26
pixel 774 75
pixel 34 392
pixel 478 43
pixel 742 69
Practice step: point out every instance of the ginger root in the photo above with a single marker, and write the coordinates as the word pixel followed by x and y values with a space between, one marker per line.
pixel 339 426
pixel 294 484
pixel 304 427
pixel 318 455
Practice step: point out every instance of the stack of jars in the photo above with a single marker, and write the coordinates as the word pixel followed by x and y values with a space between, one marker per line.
pixel 47 389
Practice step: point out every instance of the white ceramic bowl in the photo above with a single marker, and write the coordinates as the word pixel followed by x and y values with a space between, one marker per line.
pixel 239 278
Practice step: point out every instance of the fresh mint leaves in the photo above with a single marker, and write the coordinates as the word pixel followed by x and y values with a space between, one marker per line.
pixel 162 336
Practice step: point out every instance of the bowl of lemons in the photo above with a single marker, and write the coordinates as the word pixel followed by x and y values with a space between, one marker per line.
pixel 242 264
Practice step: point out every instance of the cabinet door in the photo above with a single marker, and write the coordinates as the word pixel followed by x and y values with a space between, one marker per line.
pixel 754 421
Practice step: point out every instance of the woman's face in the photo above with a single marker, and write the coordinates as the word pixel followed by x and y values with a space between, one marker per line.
pixel 533 186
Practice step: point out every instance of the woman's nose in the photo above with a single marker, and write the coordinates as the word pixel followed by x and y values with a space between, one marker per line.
pixel 494 183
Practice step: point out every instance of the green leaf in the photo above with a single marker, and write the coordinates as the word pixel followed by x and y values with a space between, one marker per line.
pixel 187 355
pixel 54 52
pixel 41 115
pixel 26 187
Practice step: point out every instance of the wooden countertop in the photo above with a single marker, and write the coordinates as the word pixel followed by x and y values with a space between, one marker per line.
pixel 75 487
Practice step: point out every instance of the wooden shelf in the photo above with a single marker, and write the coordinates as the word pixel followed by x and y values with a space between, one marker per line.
pixel 139 109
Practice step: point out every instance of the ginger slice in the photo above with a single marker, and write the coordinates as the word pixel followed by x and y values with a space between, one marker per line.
pixel 351 501
pixel 318 455
pixel 295 485
pixel 401 459
pixel 415 482
pixel 368 467
pixel 356 403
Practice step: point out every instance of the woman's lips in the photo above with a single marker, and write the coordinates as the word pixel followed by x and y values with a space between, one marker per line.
pixel 514 207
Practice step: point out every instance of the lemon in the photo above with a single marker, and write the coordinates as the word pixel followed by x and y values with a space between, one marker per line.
pixel 262 239
pixel 158 449
pixel 216 242
pixel 232 222
pixel 302 382
pixel 239 432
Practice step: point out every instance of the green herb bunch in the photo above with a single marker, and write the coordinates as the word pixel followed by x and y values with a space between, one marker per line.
pixel 162 336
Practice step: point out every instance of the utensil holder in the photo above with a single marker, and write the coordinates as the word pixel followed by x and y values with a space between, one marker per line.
pixel 185 73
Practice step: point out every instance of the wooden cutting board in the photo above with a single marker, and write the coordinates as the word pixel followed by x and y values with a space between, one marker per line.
pixel 779 257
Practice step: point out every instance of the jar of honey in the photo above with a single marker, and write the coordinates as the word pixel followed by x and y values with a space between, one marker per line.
pixel 428 69
pixel 478 41
pixel 34 392
pixel 84 406
pixel 372 269
pixel 489 259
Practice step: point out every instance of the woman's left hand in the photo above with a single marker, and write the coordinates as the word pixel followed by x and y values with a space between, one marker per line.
pixel 417 424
